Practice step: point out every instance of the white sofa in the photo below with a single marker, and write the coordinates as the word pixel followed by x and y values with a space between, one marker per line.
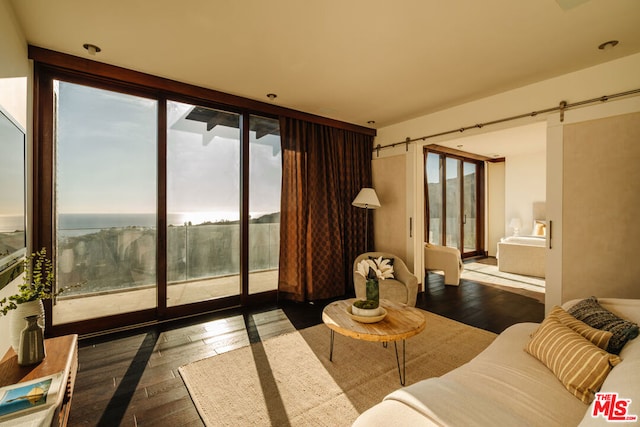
pixel 505 386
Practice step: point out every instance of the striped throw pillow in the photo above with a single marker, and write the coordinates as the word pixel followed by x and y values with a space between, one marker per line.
pixel 596 336
pixel 577 363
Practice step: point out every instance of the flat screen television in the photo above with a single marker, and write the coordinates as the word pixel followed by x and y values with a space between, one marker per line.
pixel 12 198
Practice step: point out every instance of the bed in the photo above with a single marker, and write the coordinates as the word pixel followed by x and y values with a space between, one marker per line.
pixel 522 255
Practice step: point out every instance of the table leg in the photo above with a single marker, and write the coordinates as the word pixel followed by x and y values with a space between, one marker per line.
pixel 403 373
pixel 331 348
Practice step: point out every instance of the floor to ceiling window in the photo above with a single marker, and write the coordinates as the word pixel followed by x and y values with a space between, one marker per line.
pixel 105 148
pixel 265 181
pixel 203 203
pixel 453 194
pixel 158 207
pixel 156 199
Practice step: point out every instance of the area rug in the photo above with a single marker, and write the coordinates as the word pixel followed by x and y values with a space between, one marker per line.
pixel 288 380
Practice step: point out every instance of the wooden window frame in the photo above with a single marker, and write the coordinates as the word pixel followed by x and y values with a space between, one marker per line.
pixel 49 66
pixel 479 161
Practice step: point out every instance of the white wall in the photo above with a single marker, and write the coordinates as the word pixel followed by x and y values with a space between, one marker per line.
pixel 495 212
pixel 14 65
pixel 525 184
pixel 14 74
pixel 609 78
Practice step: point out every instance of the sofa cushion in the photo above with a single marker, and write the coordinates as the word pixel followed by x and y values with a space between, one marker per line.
pixel 596 336
pixel 593 314
pixel 581 366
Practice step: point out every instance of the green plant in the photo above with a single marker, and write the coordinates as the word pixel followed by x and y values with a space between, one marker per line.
pixel 366 304
pixel 37 285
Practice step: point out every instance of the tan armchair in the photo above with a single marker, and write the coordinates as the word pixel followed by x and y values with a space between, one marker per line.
pixel 403 289
pixel 446 259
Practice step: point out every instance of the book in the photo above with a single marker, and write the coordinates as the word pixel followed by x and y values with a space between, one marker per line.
pixel 31 403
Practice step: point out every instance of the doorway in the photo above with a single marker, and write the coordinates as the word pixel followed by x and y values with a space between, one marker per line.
pixel 454 202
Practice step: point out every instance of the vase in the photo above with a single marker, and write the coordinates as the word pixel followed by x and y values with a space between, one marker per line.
pixel 23 310
pixel 31 347
pixel 373 291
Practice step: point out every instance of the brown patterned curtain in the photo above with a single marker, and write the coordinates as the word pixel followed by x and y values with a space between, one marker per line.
pixel 321 233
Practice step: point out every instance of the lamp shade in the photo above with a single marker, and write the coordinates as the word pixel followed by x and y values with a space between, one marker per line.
pixel 367 198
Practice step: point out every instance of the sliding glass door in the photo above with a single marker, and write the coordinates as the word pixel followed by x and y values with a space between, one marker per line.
pixel 265 181
pixel 453 206
pixel 159 208
pixel 470 218
pixel 203 203
pixel 105 202
pixel 452 202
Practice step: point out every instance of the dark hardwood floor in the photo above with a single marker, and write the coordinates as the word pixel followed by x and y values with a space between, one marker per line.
pixel 131 378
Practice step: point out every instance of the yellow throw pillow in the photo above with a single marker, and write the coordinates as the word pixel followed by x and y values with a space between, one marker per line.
pixel 577 363
pixel 596 336
pixel 539 228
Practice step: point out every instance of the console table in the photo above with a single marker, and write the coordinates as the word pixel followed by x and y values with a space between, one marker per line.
pixel 61 356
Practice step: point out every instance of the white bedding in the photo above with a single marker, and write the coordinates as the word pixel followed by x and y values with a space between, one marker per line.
pixel 526 240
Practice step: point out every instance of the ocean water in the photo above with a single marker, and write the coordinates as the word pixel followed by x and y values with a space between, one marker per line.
pixel 10 223
pixel 101 221
pixel 79 224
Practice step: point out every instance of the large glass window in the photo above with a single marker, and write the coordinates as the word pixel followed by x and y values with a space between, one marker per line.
pixel 452 196
pixel 433 171
pixel 154 205
pixel 470 206
pixel 203 203
pixel 265 180
pixel 453 201
pixel 105 201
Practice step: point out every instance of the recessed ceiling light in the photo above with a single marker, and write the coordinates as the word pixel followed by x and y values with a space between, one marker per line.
pixel 608 45
pixel 272 96
pixel 460 146
pixel 371 122
pixel 91 48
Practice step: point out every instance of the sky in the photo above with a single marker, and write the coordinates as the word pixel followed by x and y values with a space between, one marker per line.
pixel 107 158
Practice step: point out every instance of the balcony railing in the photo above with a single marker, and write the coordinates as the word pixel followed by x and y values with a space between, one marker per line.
pixel 124 258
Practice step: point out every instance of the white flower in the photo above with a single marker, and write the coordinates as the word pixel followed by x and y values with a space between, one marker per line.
pixel 377 268
pixel 363 267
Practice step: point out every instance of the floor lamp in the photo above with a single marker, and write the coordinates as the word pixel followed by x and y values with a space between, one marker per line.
pixel 366 199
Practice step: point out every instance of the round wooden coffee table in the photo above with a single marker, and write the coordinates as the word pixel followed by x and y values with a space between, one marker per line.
pixel 400 323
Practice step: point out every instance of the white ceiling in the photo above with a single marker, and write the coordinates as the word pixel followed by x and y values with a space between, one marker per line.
pixel 355 60
pixel 513 141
